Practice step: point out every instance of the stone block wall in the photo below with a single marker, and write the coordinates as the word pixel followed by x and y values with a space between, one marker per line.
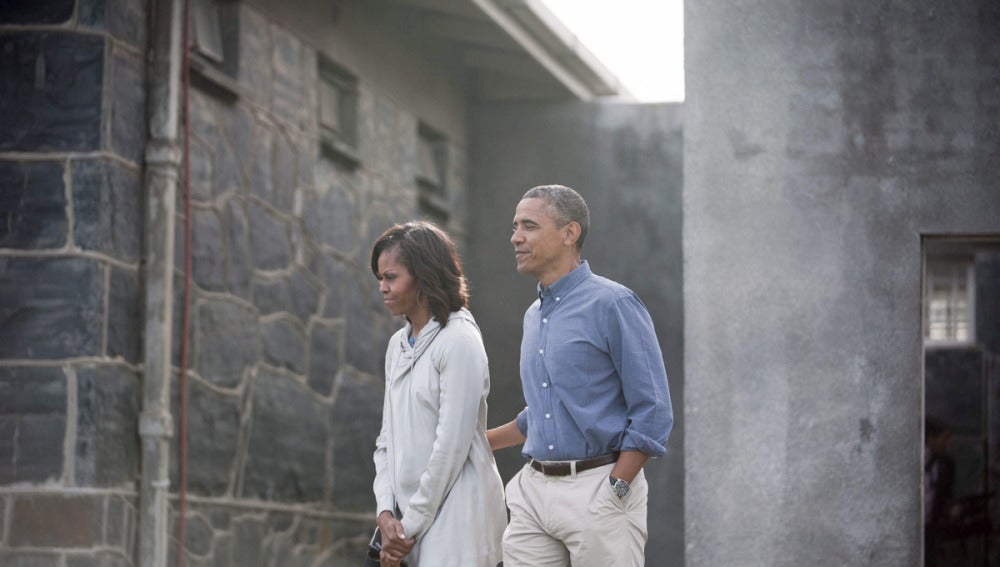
pixel 71 144
pixel 287 330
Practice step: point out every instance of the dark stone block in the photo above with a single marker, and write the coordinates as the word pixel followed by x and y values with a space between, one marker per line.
pixel 227 179
pixel 8 449
pixel 32 205
pixel 365 350
pixel 39 444
pixel 32 423
pixel 10 558
pixel 261 182
pixel 268 239
pixel 198 536
pixel 222 551
pixel 107 208
pixel 35 12
pixel 325 346
pixel 239 132
pixel 56 521
pixel 107 430
pixel 51 308
pixel 305 249
pixel 213 436
pixel 248 538
pixel 357 419
pixel 99 559
pixel 284 171
pixel 288 444
pixel 124 19
pixel 32 390
pixel 124 320
pixel 221 520
pixel 304 295
pixel 201 174
pixel 204 118
pixel 128 108
pixel 331 218
pixel 270 294
pixel 337 277
pixel 228 341
pixel 82 561
pixel 207 256
pixel 284 344
pixel 238 268
pixel 116 532
pixel 307 153
pixel 50 99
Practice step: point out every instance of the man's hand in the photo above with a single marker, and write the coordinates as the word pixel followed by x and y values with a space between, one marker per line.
pixel 395 545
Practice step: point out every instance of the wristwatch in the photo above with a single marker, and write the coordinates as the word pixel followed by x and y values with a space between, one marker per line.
pixel 619 486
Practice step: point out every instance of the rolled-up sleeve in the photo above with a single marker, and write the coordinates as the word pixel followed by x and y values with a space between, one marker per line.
pixel 636 355
pixel 522 422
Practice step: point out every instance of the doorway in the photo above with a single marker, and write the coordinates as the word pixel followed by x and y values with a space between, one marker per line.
pixel 961 338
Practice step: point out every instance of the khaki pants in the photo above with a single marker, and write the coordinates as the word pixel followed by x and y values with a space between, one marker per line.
pixel 558 521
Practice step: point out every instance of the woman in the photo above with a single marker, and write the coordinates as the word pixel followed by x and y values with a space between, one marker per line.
pixel 434 467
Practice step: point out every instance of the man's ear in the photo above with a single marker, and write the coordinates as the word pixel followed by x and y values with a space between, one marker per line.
pixel 573 230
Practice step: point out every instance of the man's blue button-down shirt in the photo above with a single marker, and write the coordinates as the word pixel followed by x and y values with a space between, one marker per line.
pixel 592 372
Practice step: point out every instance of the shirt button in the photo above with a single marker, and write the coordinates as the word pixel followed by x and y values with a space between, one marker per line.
pixel 551 447
pixel 541 351
pixel 558 298
pixel 546 320
pixel 545 384
pixel 548 416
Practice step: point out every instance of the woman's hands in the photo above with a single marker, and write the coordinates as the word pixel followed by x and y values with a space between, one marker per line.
pixel 395 546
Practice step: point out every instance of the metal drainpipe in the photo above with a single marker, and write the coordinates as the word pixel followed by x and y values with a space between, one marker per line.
pixel 160 187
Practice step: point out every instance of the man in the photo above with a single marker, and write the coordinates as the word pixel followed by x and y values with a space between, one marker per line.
pixel 598 405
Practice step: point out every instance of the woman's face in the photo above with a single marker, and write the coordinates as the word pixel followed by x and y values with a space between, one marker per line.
pixel 398 286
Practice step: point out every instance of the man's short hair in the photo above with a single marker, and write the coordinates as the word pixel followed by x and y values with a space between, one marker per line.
pixel 565 205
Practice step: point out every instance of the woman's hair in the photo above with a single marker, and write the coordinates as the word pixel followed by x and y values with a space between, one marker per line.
pixel 432 258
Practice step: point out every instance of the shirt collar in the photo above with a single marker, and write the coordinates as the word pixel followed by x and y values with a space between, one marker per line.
pixel 563 285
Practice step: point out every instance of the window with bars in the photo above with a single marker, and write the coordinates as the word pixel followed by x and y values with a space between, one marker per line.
pixel 949 300
pixel 432 175
pixel 214 29
pixel 338 111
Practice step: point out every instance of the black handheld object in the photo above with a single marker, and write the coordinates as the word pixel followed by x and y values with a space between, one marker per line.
pixel 375 548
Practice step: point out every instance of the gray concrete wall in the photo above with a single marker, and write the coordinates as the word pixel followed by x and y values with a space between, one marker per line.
pixel 626 161
pixel 822 141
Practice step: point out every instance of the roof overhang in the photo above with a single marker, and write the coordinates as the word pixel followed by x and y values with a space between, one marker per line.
pixel 553 46
pixel 517 49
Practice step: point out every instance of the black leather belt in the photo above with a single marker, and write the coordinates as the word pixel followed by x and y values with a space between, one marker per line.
pixel 565 468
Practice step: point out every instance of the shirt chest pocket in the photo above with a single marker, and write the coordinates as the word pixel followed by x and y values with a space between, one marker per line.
pixel 579 365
